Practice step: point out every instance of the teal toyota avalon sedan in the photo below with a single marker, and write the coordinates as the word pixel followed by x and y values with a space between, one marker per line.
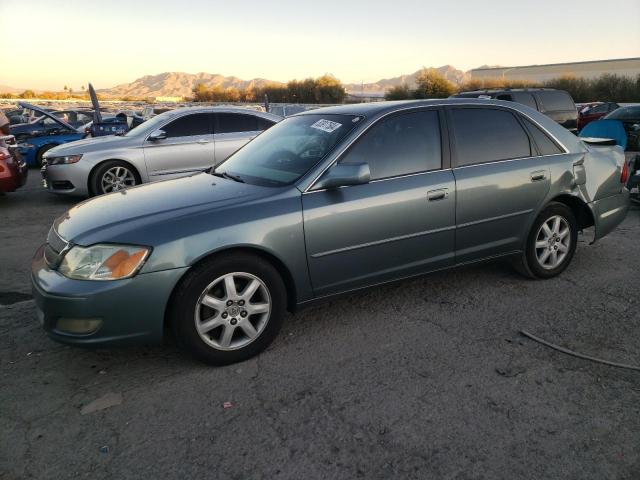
pixel 325 202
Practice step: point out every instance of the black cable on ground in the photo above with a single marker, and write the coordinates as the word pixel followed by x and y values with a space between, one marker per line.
pixel 577 354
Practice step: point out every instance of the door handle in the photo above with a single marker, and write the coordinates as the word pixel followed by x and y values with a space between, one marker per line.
pixel 439 194
pixel 539 175
pixel 203 142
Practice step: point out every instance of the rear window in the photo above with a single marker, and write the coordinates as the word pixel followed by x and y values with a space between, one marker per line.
pixel 556 100
pixel 525 99
pixel 545 145
pixel 488 135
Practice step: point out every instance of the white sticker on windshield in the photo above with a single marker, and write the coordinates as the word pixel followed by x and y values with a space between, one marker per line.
pixel 326 125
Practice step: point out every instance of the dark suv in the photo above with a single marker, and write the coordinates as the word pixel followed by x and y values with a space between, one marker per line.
pixel 556 104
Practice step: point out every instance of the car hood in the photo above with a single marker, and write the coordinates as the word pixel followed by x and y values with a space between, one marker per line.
pixel 88 145
pixel 104 218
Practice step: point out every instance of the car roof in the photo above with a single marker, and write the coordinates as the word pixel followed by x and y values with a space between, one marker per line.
pixel 499 90
pixel 226 109
pixel 378 108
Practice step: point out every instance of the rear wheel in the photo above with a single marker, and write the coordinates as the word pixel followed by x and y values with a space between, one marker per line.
pixel 551 243
pixel 113 176
pixel 228 309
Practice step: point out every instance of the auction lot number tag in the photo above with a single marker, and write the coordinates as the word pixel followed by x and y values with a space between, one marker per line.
pixel 326 125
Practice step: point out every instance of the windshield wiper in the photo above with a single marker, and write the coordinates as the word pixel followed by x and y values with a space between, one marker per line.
pixel 230 176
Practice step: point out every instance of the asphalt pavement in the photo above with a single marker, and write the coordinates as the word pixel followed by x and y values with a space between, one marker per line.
pixel 425 378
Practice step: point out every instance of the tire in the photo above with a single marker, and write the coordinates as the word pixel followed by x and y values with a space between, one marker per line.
pixel 127 177
pixel 202 298
pixel 539 261
pixel 41 153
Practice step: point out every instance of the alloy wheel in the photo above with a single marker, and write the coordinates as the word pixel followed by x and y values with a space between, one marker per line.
pixel 553 242
pixel 232 311
pixel 116 179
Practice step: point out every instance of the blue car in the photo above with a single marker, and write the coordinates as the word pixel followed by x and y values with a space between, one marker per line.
pixel 34 142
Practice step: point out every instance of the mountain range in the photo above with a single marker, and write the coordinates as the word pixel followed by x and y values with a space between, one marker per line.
pixel 452 74
pixel 180 84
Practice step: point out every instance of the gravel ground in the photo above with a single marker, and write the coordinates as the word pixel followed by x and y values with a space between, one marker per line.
pixel 427 378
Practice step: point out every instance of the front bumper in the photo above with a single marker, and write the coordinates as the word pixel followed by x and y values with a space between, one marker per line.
pixel 609 212
pixel 130 311
pixel 65 179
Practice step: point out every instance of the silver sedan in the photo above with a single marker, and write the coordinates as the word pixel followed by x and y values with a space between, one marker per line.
pixel 171 145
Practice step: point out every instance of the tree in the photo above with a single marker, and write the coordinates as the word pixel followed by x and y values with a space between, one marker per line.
pixel 399 92
pixel 66 88
pixel 201 93
pixel 430 84
pixel 28 94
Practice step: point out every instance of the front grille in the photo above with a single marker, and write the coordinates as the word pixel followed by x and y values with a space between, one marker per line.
pixel 54 247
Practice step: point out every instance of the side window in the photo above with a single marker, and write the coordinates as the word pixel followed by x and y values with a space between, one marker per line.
pixel 554 100
pixel 599 109
pixel 613 106
pixel 400 145
pixel 526 99
pixel 235 122
pixel 544 143
pixel 188 125
pixel 264 124
pixel 487 135
pixel 504 96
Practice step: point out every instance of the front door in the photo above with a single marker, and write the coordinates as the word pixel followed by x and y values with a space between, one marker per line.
pixel 188 148
pixel 401 223
pixel 500 180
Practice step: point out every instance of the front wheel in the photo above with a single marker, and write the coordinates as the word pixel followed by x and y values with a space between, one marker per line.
pixel 113 176
pixel 228 308
pixel 551 243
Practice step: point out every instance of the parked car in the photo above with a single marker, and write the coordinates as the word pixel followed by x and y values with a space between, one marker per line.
pixel 32 144
pixel 170 145
pixel 13 169
pixel 630 118
pixel 75 118
pixel 324 202
pixel 589 112
pixel 556 104
pixel 46 125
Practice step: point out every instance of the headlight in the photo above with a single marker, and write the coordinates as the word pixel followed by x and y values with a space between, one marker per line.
pixel 62 160
pixel 103 262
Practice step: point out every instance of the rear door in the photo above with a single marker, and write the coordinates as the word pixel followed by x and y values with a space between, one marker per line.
pixel 500 181
pixel 188 147
pixel 233 130
pixel 399 224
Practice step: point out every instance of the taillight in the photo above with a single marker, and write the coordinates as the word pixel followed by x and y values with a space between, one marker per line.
pixel 624 176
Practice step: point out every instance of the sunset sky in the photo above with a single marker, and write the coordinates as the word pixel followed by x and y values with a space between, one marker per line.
pixel 49 44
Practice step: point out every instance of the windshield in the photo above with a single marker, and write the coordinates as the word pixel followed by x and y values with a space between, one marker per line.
pixel 285 152
pixel 626 113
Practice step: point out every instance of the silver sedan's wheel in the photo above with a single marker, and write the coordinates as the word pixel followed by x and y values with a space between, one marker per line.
pixel 117 178
pixel 553 242
pixel 232 311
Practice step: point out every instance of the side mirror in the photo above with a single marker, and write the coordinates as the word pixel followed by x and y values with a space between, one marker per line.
pixel 344 174
pixel 157 135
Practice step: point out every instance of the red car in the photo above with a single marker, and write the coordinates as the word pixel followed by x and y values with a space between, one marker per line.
pixel 13 169
pixel 588 112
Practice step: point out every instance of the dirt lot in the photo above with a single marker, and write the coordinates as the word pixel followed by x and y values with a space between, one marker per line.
pixel 427 378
